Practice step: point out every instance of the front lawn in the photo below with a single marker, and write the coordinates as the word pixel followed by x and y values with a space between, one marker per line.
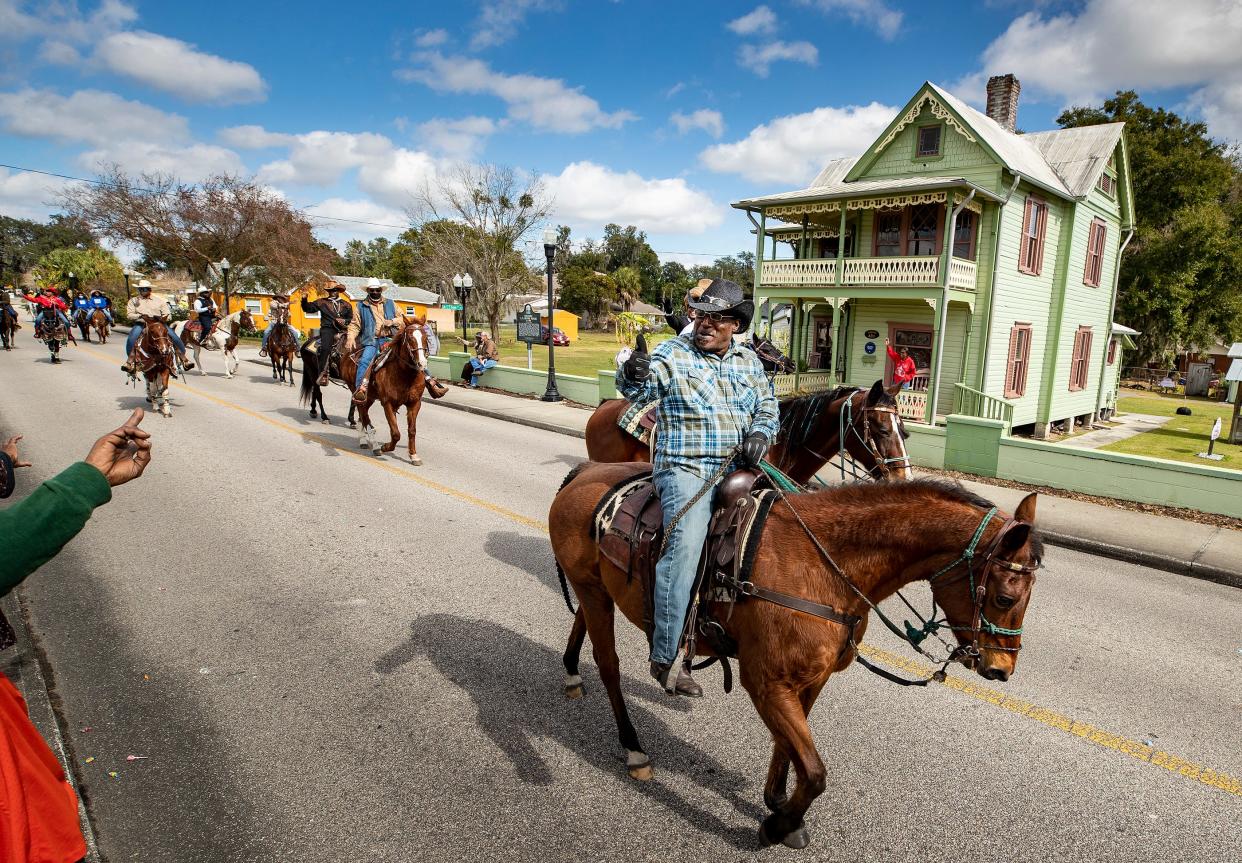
pixel 1181 437
pixel 590 352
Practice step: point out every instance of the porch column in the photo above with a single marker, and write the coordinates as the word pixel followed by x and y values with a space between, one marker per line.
pixel 759 243
pixel 970 327
pixel 836 335
pixel 795 338
pixel 840 268
pixel 802 245
pixel 932 388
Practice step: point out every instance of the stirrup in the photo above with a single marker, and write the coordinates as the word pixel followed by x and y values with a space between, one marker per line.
pixel 360 395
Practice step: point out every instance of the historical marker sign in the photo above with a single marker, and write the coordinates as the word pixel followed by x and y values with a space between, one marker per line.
pixel 528 326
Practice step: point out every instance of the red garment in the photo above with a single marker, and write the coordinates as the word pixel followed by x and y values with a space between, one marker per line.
pixel 47 302
pixel 903 370
pixel 38 809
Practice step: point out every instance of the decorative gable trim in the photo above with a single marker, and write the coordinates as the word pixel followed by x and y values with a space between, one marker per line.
pixel 938 110
pixel 791 212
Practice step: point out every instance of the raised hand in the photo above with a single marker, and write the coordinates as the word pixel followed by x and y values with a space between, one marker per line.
pixel 10 449
pixel 638 367
pixel 123 454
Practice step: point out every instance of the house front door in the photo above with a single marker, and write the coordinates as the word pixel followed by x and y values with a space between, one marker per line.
pixel 821 352
pixel 917 339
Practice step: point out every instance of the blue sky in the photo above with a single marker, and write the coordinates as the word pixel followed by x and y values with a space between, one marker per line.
pixel 652 113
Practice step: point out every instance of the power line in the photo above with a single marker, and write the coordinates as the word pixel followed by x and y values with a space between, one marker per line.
pixel 309 215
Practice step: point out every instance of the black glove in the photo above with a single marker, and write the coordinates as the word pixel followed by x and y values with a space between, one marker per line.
pixel 638 367
pixel 754 448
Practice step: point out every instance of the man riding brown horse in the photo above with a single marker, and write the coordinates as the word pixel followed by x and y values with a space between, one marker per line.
pixel 147 305
pixel 713 398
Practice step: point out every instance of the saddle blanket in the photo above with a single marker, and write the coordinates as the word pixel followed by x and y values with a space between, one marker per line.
pixel 639 421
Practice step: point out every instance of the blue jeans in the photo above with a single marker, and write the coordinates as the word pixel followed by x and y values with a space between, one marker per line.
pixel 135 333
pixel 905 385
pixel 479 366
pixel 268 332
pixel 369 353
pixel 675 572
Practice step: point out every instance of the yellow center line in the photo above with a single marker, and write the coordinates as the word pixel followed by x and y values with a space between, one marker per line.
pixel 465 497
pixel 1083 730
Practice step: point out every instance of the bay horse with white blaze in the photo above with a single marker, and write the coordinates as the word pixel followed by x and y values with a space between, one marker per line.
pixel 100 322
pixel 824 561
pixel 156 358
pixel 846 423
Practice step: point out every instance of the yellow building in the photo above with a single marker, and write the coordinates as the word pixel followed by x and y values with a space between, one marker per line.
pixel 410 301
pixel 567 321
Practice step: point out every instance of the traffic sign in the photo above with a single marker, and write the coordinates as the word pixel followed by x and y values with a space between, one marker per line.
pixel 452 307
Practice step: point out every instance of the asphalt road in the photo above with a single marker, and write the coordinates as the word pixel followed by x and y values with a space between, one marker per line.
pixel 323 656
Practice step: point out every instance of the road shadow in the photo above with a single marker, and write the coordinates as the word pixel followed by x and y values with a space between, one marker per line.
pixel 496 671
pixel 531 554
pixel 567 459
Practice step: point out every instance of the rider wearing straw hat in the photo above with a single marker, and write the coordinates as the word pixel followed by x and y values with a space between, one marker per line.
pixel 714 403
pixel 278 313
pixel 335 316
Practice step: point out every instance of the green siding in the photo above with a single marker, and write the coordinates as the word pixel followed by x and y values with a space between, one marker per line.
pixel 960 157
pixel 1024 298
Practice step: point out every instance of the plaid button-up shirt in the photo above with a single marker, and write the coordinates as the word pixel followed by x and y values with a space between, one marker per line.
pixel 707 403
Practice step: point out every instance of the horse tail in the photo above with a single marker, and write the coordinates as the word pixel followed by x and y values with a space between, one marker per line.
pixel 560 573
pixel 308 379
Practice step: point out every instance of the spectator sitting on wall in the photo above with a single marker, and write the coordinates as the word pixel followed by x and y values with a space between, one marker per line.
pixel 486 355
pixel 39 814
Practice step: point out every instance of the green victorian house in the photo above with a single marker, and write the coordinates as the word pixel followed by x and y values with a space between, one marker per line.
pixel 990 255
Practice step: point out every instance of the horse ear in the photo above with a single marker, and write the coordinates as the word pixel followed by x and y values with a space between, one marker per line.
pixel 876 393
pixel 893 390
pixel 1026 510
pixel 1015 538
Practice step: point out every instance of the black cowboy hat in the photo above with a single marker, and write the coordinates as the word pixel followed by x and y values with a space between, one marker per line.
pixel 725 296
pixel 334 286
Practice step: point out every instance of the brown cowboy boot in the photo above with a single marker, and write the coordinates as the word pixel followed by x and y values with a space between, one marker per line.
pixel 360 394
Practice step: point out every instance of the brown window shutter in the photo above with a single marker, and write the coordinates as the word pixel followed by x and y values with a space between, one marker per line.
pixel 1041 212
pixel 1011 366
pixel 1022 243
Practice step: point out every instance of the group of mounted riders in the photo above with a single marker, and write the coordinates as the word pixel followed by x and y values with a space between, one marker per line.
pixel 56 315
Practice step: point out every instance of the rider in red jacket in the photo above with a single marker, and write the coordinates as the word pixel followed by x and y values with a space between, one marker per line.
pixel 49 301
pixel 903 365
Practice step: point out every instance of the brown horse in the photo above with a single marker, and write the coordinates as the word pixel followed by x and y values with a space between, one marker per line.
pixel 100 322
pixel 155 359
pixel 8 330
pixel 881 537
pixel 399 382
pixel 848 423
pixel 281 347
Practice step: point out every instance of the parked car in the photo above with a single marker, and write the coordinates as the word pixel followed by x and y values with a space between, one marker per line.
pixel 559 339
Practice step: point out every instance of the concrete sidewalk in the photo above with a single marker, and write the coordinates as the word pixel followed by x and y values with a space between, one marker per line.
pixel 1171 544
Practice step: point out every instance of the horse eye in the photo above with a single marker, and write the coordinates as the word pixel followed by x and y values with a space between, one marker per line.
pixel 1003 601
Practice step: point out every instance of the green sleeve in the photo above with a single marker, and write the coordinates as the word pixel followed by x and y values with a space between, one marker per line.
pixel 33 530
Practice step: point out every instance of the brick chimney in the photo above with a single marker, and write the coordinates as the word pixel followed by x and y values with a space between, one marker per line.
pixel 1003 93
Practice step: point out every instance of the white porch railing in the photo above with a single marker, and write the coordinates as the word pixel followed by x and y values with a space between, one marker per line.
pixel 912 405
pixel 908 271
pixel 807 382
pixel 812 271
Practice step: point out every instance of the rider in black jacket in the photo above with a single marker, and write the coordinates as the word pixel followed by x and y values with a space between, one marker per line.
pixel 334 317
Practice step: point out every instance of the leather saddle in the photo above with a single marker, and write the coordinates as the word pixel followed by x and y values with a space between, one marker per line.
pixel 630 531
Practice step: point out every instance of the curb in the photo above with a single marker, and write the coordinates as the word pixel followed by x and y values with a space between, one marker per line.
pixel 27 663
pixel 1177 566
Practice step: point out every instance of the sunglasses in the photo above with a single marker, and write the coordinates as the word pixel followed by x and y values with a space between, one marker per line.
pixel 714 317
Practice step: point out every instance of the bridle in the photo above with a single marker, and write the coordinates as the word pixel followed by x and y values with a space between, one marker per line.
pixel 414 356
pixel 980 565
pixel 770 353
pixel 867 439
pixel 159 342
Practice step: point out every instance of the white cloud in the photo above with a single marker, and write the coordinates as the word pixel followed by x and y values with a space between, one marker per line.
pixel 759 58
pixel 462 138
pixel 91 116
pixel 61 53
pixel 367 219
pixel 590 195
pixel 62 20
pixel 189 164
pixel 1081 56
pixel 761 21
pixel 706 119
pixel 179 68
pixel 546 104
pixel 875 14
pixel 254 138
pixel 793 148
pixel 499 20
pixel 29 196
pixel 431 38
pixel 674 90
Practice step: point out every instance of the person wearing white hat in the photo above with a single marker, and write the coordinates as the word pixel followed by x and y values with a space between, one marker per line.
pixel 153 307
pixel 372 328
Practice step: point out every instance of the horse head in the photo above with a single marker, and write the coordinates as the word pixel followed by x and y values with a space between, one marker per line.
pixel 985 595
pixel 875 433
pixel 770 355
pixel 155 338
pixel 412 342
pixel 247 322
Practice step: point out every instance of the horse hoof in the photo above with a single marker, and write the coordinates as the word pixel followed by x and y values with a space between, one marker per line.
pixel 416 461
pixel 325 421
pixel 639 766
pixel 796 839
pixel 573 693
pixel 353 425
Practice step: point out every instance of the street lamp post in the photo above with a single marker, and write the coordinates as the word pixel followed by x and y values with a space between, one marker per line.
pixel 224 269
pixel 73 284
pixel 463 284
pixel 127 273
pixel 551 394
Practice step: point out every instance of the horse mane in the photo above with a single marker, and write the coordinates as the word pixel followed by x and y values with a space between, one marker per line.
pixel 573 473
pixel 926 489
pixel 803 411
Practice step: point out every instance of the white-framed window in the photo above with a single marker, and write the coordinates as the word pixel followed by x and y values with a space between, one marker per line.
pixel 255 307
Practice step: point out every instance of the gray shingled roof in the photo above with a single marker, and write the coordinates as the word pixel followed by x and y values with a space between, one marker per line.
pixel 1066 162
